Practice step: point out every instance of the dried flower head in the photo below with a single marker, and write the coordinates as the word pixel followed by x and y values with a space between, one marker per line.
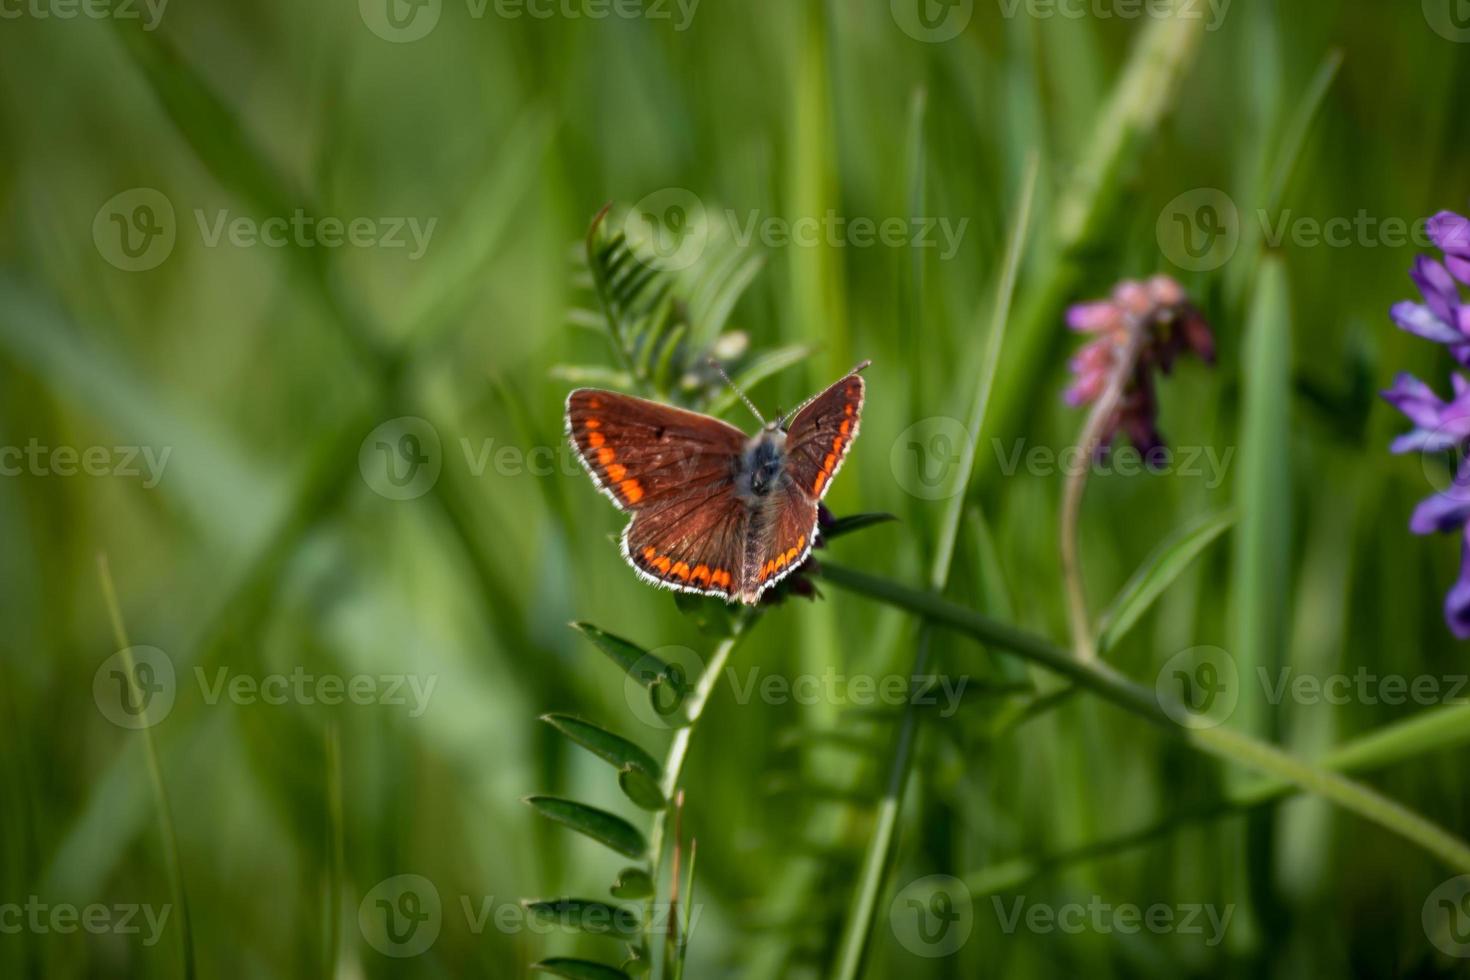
pixel 1140 329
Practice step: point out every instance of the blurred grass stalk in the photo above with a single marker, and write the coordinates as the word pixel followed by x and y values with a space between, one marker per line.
pixel 1222 742
pixel 858 930
pixel 155 771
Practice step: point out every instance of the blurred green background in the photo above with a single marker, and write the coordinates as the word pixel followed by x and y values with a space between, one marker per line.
pixel 269 543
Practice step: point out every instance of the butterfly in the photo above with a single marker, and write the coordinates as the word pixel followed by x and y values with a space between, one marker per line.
pixel 715 511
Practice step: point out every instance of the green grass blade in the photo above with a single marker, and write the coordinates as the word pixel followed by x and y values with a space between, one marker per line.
pixel 1156 574
pixel 858 929
pixel 1263 483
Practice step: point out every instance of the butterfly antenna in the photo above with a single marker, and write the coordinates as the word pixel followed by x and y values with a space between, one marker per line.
pixel 736 388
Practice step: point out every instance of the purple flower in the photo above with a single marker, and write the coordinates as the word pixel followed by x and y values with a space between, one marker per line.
pixel 1439 425
pixel 1170 326
pixel 1442 317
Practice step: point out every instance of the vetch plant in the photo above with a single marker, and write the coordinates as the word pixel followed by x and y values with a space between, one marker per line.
pixel 672 348
pixel 1441 426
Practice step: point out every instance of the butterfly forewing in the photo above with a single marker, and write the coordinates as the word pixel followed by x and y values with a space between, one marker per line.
pixel 821 433
pixel 675 470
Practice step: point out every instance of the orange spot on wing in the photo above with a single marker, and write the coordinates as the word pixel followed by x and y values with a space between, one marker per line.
pixel 821 482
pixel 700 573
pixel 829 462
pixel 846 426
pixel 616 472
pixel 649 554
pixel 801 542
pixel 605 455
pixel 663 565
pixel 594 403
pixel 720 578
pixel 682 570
pixel 847 409
pixel 595 439
pixel 632 490
pixel 837 444
pixel 593 424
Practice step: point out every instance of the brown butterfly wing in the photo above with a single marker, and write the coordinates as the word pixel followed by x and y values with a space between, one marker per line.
pixel 784 526
pixel 675 471
pixel 783 529
pixel 821 433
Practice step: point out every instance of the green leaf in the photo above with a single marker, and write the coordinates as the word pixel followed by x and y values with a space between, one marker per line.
pixel 637 662
pixel 607 829
pixel 565 966
pixel 1157 572
pixel 604 744
pixel 761 366
pixel 632 883
pixel 587 915
pixel 851 523
pixel 641 787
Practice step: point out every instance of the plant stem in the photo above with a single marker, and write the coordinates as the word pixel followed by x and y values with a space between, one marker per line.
pixel 1084 644
pixel 679 749
pixel 155 772
pixel 1222 742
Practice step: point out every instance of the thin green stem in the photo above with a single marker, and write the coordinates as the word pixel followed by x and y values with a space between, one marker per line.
pixel 879 854
pixel 1084 642
pixel 1220 741
pixel 673 767
pixel 155 771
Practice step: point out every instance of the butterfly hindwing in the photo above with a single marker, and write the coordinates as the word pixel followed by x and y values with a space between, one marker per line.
pixel 675 471
pixel 784 529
